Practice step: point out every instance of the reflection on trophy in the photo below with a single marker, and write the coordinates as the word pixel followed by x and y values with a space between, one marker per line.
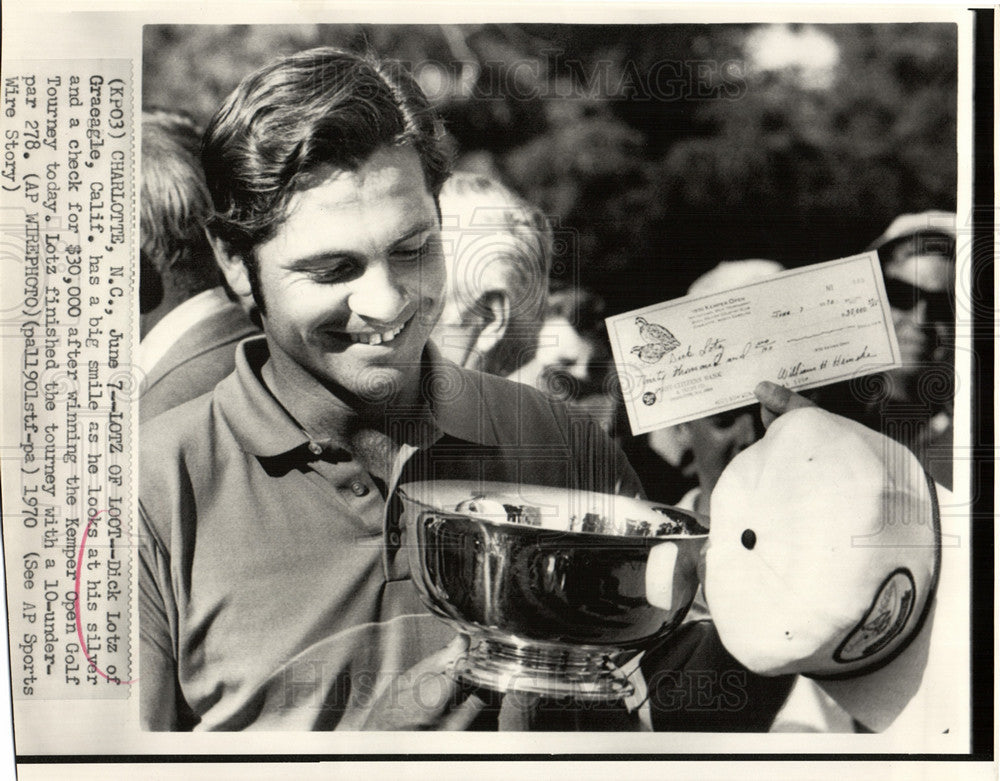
pixel 550 584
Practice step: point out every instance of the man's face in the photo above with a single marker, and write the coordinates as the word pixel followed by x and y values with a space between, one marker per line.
pixel 457 329
pixel 353 279
pixel 561 366
pixel 478 262
pixel 919 288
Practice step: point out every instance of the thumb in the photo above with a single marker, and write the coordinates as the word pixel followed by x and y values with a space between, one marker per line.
pixel 427 691
pixel 518 711
pixel 776 400
pixel 440 661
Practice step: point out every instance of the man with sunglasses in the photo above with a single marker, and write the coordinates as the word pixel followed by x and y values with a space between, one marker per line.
pixel 914 403
pixel 917 252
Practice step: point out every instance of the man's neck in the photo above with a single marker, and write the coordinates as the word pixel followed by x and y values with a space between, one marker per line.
pixel 322 413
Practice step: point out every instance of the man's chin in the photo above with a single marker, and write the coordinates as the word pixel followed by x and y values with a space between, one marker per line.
pixel 380 385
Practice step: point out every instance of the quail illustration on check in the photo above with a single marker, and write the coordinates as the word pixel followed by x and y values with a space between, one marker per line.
pixel 658 341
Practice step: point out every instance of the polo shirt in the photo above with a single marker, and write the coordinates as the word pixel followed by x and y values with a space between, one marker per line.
pixel 274 590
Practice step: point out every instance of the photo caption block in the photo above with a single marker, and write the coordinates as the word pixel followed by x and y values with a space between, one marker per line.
pixel 65 312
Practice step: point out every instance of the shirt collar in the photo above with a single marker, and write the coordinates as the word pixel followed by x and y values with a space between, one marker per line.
pixel 263 428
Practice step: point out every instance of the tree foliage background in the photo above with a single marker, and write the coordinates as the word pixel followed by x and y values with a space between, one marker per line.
pixel 656 150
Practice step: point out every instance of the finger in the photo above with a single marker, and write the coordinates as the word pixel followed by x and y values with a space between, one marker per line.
pixel 415 700
pixel 776 400
pixel 421 695
pixel 432 694
pixel 434 688
pixel 660 568
pixel 442 660
pixel 463 714
pixel 517 713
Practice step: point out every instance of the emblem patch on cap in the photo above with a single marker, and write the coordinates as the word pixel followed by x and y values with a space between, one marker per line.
pixel 885 619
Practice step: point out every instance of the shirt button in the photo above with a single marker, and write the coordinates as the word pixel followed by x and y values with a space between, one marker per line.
pixel 394 539
pixel 359 488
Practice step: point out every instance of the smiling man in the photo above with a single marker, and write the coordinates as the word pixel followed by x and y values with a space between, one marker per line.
pixel 350 283
pixel 275 590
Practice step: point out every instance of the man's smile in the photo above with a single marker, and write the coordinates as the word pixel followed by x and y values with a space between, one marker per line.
pixel 376 337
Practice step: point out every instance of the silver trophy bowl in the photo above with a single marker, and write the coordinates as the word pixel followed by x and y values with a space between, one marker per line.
pixel 549 584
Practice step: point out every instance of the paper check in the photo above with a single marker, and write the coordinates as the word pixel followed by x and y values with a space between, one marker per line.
pixel 702 354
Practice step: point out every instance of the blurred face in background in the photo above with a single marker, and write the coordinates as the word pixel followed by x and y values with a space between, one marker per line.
pixel 921 295
pixel 482 296
pixel 561 367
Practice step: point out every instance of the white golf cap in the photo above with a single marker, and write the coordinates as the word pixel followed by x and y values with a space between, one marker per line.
pixel 824 551
pixel 907 225
pixel 733 273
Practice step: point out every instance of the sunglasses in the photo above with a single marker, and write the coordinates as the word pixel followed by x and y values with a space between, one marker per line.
pixel 904 296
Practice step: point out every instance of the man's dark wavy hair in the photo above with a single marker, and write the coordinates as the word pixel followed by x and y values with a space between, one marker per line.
pixel 320 106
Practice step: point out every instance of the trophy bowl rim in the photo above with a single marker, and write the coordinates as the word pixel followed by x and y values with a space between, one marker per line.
pixel 499 486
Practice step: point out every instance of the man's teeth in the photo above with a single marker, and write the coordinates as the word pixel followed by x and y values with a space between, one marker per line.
pixel 373 338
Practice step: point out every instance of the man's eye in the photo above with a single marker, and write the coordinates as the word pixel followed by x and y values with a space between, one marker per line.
pixel 409 254
pixel 330 275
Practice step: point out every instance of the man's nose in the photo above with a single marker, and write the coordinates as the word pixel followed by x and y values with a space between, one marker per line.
pixel 377 294
pixel 919 312
pixel 578 370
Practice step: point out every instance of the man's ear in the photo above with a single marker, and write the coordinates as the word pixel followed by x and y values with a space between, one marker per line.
pixel 231 266
pixel 493 308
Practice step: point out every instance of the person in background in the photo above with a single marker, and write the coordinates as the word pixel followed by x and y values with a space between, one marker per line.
pixel 917 253
pixel 188 327
pixel 498 250
pixel 573 365
pixel 913 404
pixel 572 358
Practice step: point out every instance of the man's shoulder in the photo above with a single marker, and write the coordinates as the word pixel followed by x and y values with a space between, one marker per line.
pixel 492 383
pixel 525 415
pixel 515 409
pixel 504 391
pixel 187 380
pixel 194 424
pixel 174 430
pixel 177 450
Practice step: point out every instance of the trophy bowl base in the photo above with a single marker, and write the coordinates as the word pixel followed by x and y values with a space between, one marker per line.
pixel 557 672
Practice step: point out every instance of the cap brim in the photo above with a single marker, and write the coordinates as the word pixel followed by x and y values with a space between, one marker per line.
pixel 908 225
pixel 879 697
